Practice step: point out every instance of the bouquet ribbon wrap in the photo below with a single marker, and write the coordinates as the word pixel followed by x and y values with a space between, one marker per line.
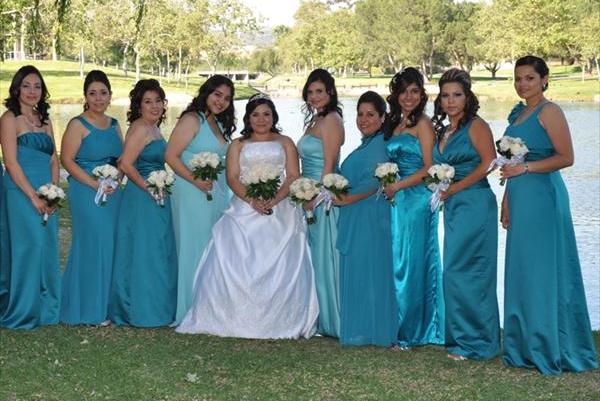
pixel 104 184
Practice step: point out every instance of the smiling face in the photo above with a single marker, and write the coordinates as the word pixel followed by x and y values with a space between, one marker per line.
pixel 30 91
pixel 261 120
pixel 410 98
pixel 152 106
pixel 368 119
pixel 453 99
pixel 528 82
pixel 317 96
pixel 219 100
pixel 97 97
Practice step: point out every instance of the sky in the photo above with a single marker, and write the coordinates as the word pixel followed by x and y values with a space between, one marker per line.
pixel 275 12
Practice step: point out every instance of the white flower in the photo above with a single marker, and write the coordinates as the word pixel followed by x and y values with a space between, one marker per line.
pixel 385 169
pixel 106 171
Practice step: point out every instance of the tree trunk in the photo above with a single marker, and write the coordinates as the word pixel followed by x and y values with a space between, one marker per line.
pixel 187 71
pixel 168 72
pixel 54 53
pixel 179 65
pixel 81 61
pixel 125 64
pixel 137 63
pixel 22 37
pixel 597 67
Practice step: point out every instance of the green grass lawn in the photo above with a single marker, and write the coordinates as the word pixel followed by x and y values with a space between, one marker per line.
pixel 65 85
pixel 63 363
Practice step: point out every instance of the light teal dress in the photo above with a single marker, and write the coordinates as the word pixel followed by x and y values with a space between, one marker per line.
pixel 194 216
pixel 470 256
pixel 88 274
pixel 546 321
pixel 416 253
pixel 322 236
pixel 369 315
pixel 30 272
pixel 144 284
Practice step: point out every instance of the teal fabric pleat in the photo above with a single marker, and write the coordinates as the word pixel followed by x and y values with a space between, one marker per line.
pixel 144 283
pixel 546 321
pixel 29 274
pixel 416 253
pixel 470 256
pixel 369 313
pixel 322 236
pixel 88 274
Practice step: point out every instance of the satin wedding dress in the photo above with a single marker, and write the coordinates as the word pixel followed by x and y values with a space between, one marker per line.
pixel 255 278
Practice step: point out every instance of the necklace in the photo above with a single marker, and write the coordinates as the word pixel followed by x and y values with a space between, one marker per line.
pixel 448 133
pixel 31 122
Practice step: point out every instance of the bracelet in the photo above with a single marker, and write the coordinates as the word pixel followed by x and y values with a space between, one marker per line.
pixel 526 168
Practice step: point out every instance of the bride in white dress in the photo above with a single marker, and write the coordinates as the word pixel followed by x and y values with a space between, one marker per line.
pixel 255 278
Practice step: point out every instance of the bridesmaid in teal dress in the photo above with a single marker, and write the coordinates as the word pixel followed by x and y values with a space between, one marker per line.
pixel 30 272
pixel 470 222
pixel 417 266
pixel 546 321
pixel 319 150
pixel 369 315
pixel 144 284
pixel 205 125
pixel 91 139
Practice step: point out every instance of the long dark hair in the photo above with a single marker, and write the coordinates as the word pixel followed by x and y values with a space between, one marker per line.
pixel 136 95
pixel 399 83
pixel 198 104
pixel 538 64
pixel 253 103
pixel 462 78
pixel 323 76
pixel 90 78
pixel 12 101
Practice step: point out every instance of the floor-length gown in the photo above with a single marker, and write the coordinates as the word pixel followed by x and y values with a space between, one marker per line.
pixel 416 253
pixel 144 286
pixel 470 256
pixel 30 273
pixel 194 215
pixel 255 278
pixel 369 314
pixel 546 321
pixel 88 274
pixel 322 236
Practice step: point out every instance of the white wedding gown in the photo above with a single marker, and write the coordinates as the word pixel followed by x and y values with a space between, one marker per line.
pixel 255 278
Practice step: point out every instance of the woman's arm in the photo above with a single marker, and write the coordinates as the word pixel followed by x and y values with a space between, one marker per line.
pixel 483 142
pixel 135 141
pixel 504 211
pixel 332 137
pixel 553 120
pixel 182 135
pixel 71 142
pixel 349 199
pixel 8 140
pixel 54 165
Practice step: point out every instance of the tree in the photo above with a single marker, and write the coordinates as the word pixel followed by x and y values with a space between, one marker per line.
pixel 461 39
pixel 265 60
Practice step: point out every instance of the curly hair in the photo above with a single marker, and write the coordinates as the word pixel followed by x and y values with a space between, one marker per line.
pixel 538 64
pixel 398 85
pixel 323 76
pixel 90 78
pixel 462 78
pixel 137 94
pixel 198 104
pixel 255 101
pixel 14 92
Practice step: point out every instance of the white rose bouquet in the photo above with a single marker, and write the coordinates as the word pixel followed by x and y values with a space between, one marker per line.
pixel 262 181
pixel 206 166
pixel 512 152
pixel 386 173
pixel 159 184
pixel 439 178
pixel 305 190
pixel 334 185
pixel 52 195
pixel 107 176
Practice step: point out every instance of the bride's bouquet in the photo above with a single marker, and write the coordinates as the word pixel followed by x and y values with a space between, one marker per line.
pixel 439 178
pixel 305 190
pixel 159 184
pixel 386 173
pixel 262 181
pixel 512 152
pixel 52 195
pixel 206 166
pixel 335 185
pixel 107 176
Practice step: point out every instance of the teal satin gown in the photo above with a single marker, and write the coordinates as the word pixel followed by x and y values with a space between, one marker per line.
pixel 368 304
pixel 322 236
pixel 416 253
pixel 546 321
pixel 470 256
pixel 194 216
pixel 30 272
pixel 144 284
pixel 88 274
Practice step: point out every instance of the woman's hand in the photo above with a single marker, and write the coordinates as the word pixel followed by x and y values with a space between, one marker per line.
pixel 39 205
pixel 447 193
pixel 504 213
pixel 309 205
pixel 261 206
pixel 508 171
pixel 390 190
pixel 204 185
pixel 341 200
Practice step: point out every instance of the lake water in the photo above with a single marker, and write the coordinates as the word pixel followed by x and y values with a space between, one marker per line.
pixel 582 179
